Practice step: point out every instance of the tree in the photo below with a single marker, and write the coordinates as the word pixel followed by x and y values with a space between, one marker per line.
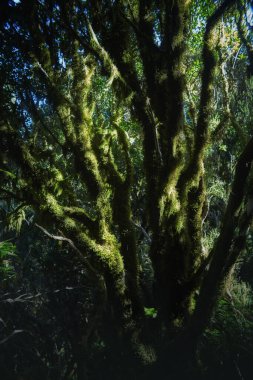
pixel 77 79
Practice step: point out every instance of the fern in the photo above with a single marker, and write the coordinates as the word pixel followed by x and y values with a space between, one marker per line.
pixel 15 219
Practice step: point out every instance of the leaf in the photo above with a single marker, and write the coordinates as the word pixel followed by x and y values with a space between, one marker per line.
pixel 9 174
pixel 150 312
pixel 6 249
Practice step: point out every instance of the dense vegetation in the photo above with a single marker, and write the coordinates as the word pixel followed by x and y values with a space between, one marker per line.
pixel 126 196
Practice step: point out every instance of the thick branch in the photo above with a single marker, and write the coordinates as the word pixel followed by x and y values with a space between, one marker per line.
pixel 220 257
pixel 191 182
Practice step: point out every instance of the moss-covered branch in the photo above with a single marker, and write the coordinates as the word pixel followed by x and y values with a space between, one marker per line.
pixel 202 131
pixel 222 259
pixel 191 183
pixel 245 39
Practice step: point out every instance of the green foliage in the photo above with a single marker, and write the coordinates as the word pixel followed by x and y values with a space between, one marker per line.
pixel 7 254
pixel 229 340
pixel 15 219
pixel 6 249
pixel 150 312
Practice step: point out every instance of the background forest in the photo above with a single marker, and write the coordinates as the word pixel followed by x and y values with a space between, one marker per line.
pixel 126 198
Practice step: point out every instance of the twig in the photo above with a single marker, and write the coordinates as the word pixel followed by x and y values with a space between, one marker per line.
pixel 143 231
pixel 238 370
pixel 71 243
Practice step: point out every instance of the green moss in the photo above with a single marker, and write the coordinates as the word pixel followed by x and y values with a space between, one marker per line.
pixel 169 202
pixel 146 353
pixel 191 304
pixel 107 61
pixel 50 204
pixel 70 224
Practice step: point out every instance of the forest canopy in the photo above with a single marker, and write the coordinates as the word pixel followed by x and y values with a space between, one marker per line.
pixel 126 196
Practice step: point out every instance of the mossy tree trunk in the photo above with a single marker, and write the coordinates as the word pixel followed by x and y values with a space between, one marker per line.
pixel 175 175
pixel 101 229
